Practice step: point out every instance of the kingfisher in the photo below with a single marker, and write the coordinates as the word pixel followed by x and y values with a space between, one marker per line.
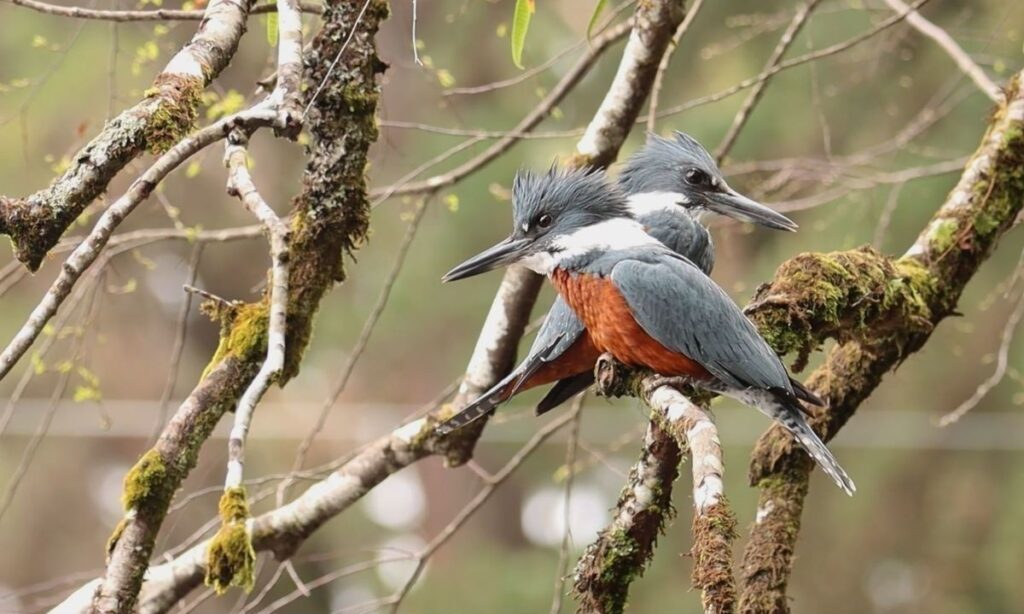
pixel 671 184
pixel 641 302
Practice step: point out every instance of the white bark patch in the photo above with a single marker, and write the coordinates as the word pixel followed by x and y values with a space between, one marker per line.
pixel 406 434
pixel 763 511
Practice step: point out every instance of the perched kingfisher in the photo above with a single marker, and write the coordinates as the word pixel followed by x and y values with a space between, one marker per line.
pixel 644 304
pixel 671 184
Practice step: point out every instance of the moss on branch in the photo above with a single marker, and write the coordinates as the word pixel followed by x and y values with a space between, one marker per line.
pixel 230 557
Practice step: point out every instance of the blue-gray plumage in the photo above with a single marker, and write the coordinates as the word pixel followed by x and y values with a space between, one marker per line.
pixel 670 184
pixel 641 302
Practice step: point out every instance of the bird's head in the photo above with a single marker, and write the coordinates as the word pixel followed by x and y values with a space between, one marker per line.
pixel 667 173
pixel 559 215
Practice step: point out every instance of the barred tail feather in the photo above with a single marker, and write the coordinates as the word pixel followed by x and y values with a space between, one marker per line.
pixel 483 406
pixel 793 420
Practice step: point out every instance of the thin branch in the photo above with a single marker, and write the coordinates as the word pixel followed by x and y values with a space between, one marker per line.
pixel 169 110
pixel 360 346
pixel 87 251
pixel 570 466
pixel 714 525
pixel 287 94
pixel 240 184
pixel 666 59
pixel 1002 362
pixel 952 49
pixel 622 549
pixel 654 25
pixel 791 63
pixel 76 12
pixel 598 46
pixel 738 122
pixel 181 328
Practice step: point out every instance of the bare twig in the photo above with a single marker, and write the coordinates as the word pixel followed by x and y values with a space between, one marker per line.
pixel 360 346
pixel 570 466
pixel 181 329
pixel 791 63
pixel 802 14
pixel 530 121
pixel 952 49
pixel 87 251
pixel 1002 362
pixel 76 12
pixel 240 184
pixel 666 59
pixel 36 223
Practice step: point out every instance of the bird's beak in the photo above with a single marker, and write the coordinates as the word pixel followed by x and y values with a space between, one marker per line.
pixel 731 203
pixel 507 252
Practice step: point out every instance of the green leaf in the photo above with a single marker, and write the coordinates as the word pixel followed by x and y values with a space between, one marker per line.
pixel 598 8
pixel 520 24
pixel 272 29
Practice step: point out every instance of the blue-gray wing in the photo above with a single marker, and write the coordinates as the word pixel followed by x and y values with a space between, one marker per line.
pixel 684 310
pixel 677 230
pixel 561 320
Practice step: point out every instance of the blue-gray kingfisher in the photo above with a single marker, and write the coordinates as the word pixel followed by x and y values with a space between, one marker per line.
pixel 671 184
pixel 641 302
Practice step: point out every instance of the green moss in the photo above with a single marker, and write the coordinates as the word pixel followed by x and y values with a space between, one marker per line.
pixel 115 536
pixel 145 483
pixel 943 235
pixel 230 557
pixel 243 334
pixel 176 111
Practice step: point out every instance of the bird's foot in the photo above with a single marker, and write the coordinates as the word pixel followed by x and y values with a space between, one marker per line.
pixel 611 376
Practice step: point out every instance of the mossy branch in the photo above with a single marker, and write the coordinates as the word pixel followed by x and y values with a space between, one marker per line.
pixel 329 219
pixel 922 289
pixel 623 549
pixel 230 557
pixel 160 120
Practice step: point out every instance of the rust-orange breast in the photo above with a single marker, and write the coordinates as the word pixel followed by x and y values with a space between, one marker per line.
pixel 612 327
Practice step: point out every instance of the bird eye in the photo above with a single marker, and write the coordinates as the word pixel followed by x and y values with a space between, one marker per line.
pixel 695 176
pixel 544 221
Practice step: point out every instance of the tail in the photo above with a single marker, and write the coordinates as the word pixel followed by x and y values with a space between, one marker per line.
pixel 792 418
pixel 483 406
pixel 565 390
pixel 805 394
pixel 503 390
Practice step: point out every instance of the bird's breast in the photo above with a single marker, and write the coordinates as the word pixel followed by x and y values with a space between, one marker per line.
pixel 608 318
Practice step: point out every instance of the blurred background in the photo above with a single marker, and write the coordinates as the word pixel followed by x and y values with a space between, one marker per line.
pixel 860 148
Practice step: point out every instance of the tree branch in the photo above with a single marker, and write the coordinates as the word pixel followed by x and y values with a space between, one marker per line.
pixel 167 113
pixel 330 218
pixel 76 12
pixel 284 530
pixel 88 250
pixel 924 288
pixel 952 49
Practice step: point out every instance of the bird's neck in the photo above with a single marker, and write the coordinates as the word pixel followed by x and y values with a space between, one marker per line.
pixel 577 250
pixel 643 204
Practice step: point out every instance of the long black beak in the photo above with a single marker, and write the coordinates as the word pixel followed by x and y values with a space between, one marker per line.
pixel 737 206
pixel 507 252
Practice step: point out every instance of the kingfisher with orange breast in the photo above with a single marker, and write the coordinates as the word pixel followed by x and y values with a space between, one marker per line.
pixel 639 301
pixel 671 185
